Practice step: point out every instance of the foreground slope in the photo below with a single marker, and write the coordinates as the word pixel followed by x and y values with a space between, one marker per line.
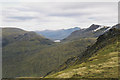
pixel 98 61
pixel 26 54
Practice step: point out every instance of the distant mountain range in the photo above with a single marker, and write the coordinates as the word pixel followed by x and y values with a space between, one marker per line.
pixel 75 33
pixel 92 31
pixel 57 34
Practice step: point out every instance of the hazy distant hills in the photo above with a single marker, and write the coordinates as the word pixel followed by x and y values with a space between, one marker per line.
pixel 57 34
pixel 75 33
pixel 93 31
pixel 99 60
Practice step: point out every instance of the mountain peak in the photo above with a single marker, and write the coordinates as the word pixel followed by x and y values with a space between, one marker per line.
pixel 93 27
pixel 93 31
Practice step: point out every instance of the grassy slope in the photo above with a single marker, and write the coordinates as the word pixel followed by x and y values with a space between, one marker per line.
pixel 17 45
pixel 103 62
pixel 9 33
pixel 34 56
pixel 49 58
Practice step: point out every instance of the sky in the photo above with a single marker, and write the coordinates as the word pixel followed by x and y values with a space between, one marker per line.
pixel 58 15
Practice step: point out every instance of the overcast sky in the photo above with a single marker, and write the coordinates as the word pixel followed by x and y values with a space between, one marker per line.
pixel 58 15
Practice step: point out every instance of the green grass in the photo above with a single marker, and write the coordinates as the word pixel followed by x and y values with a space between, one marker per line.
pixel 35 56
pixel 102 65
pixel 98 61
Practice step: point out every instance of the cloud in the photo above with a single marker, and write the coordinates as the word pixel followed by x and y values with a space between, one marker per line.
pixel 53 15
pixel 21 18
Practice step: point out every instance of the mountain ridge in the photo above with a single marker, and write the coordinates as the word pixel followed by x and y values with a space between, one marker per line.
pixel 93 31
pixel 15 34
pixel 112 36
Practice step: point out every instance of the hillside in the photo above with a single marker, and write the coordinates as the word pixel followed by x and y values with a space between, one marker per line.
pixel 93 31
pixel 17 46
pixel 57 34
pixel 27 54
pixel 98 61
pixel 10 35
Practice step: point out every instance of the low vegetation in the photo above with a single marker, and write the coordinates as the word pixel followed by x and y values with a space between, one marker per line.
pixel 98 61
pixel 27 54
